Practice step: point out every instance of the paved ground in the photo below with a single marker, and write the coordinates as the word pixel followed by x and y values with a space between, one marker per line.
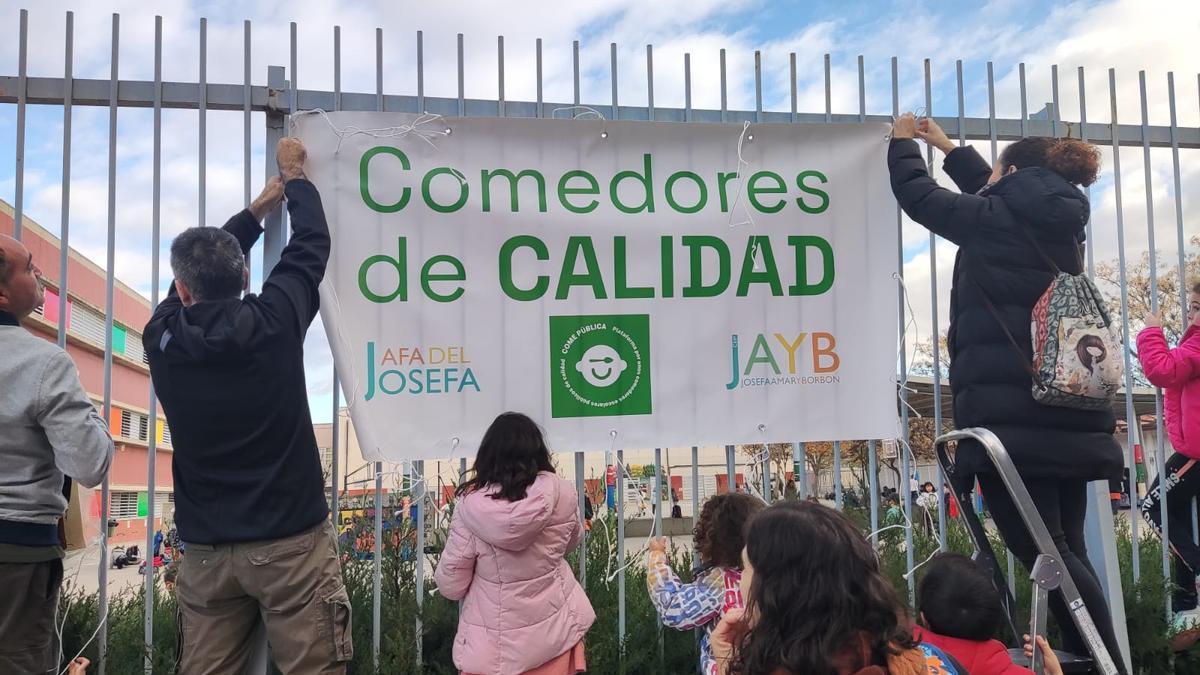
pixel 80 568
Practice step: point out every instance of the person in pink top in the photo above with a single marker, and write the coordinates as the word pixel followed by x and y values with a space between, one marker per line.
pixel 523 612
pixel 1177 371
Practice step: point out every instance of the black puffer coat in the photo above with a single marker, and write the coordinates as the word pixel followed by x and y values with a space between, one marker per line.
pixel 989 377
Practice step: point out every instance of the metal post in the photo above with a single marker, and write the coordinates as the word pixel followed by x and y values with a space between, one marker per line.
pixel 873 460
pixel 621 553
pixel 658 531
pixel 615 109
pixel 650 83
pixel 377 571
pixel 905 495
pixel 838 496
pixel 462 82
pixel 1083 136
pixel 500 76
pixel 581 487
pixel 695 495
pixel 337 415
pixel 757 86
pixel 22 93
pixel 246 99
pixel 724 92
pixel 418 496
pixel 793 84
pixel 1159 448
pixel 538 58
pixel 935 340
pixel 64 248
pixel 800 460
pixel 152 449
pixel 828 92
pixel 202 119
pixel 730 468
pixel 1130 417
pixel 1024 101
pixel 109 311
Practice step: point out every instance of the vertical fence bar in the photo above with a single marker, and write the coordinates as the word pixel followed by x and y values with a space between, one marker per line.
pixel 418 496
pixel 1024 101
pixel 658 531
pixel 962 111
pixel 906 496
pixel 792 84
pixel 1055 115
pixel 695 497
pixel 538 58
pixel 621 554
pixel 838 494
pixel 377 573
pixel 462 80
pixel 22 79
pixel 202 119
pixel 757 86
pixel 500 76
pixel 109 311
pixel 650 82
pixel 731 468
pixel 293 73
pixel 828 92
pixel 1130 417
pixel 575 72
pixel 768 479
pixel 935 341
pixel 64 248
pixel 1183 286
pixel 800 464
pixel 991 86
pixel 152 449
pixel 246 93
pixel 337 416
pixel 687 87
pixel 1177 185
pixel 724 92
pixel 1091 255
pixel 581 487
pixel 612 48
pixel 420 71
pixel 1159 447
pixel 873 481
pixel 862 90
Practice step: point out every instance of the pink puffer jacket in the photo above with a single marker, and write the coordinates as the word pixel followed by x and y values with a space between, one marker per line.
pixel 1177 371
pixel 521 603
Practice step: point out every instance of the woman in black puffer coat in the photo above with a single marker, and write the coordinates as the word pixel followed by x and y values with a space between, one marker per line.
pixel 1031 194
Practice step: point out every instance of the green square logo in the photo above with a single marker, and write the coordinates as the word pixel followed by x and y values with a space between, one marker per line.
pixel 600 365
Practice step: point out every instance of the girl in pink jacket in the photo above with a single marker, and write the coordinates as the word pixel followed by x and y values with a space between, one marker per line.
pixel 1177 371
pixel 514 521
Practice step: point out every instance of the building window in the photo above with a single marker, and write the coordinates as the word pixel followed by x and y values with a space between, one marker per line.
pixel 134 425
pixel 124 505
pixel 166 437
pixel 88 324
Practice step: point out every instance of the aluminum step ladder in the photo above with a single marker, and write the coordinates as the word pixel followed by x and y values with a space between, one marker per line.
pixel 1048 574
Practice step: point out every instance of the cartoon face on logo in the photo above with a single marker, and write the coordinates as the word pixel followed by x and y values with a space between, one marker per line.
pixel 601 366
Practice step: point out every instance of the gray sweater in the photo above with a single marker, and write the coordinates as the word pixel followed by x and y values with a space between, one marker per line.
pixel 48 428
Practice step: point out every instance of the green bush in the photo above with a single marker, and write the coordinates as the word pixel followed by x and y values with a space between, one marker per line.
pixel 644 647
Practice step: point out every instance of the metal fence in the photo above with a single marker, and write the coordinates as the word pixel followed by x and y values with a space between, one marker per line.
pixel 271 104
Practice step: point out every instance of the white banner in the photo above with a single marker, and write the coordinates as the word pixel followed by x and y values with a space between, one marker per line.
pixel 620 282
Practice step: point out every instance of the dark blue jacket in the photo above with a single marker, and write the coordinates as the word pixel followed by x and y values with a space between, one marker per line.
pixel 230 376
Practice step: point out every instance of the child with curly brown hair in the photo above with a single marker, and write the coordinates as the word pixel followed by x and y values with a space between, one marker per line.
pixel 716 588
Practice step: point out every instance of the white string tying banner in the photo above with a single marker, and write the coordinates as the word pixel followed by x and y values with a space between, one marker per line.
pixel 427 126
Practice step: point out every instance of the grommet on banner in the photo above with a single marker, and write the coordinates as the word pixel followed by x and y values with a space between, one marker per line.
pixel 604 134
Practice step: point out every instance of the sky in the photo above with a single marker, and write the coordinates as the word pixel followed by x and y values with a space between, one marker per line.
pixel 1130 36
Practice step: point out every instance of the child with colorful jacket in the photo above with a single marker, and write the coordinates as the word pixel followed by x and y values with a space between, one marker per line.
pixel 1177 371
pixel 715 590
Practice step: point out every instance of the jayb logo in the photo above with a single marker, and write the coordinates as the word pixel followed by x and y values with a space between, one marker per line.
pixel 600 365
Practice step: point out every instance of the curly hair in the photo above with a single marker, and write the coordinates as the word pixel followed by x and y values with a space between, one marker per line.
pixel 1076 161
pixel 719 531
pixel 816 595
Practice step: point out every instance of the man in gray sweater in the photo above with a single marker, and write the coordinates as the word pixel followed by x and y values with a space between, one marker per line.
pixel 50 433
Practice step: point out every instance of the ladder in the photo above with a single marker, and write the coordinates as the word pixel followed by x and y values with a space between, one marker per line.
pixel 1048 574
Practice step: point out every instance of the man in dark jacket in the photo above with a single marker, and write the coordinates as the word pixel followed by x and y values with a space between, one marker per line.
pixel 249 492
pixel 1010 223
